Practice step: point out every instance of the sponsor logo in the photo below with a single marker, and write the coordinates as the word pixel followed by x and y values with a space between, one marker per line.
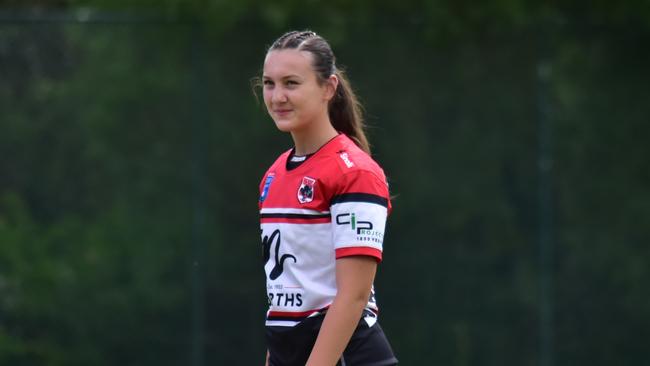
pixel 364 229
pixel 306 190
pixel 267 185
pixel 346 159
pixel 351 219
pixel 285 299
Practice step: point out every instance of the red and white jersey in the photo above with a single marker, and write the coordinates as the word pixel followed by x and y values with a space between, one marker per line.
pixel 331 206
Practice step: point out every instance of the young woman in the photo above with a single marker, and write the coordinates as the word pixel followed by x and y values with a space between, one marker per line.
pixel 323 207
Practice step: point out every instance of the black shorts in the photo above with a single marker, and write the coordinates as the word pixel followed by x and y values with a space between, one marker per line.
pixel 291 346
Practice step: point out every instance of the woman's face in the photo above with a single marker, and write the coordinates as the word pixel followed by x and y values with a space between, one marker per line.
pixel 292 94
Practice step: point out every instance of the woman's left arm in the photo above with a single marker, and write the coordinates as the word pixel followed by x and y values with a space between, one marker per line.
pixel 354 278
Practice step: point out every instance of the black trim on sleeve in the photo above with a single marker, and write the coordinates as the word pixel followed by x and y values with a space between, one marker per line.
pixel 360 197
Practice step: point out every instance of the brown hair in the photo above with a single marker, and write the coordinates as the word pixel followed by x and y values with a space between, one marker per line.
pixel 344 109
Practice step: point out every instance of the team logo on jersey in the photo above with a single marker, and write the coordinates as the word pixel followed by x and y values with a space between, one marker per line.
pixel 267 184
pixel 306 190
pixel 267 242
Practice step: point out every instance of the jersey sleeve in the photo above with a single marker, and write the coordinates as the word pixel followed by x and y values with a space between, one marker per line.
pixel 359 210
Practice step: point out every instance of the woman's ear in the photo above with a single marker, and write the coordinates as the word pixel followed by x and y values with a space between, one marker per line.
pixel 331 85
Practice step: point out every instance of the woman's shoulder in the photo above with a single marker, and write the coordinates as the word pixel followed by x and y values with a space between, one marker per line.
pixel 350 158
pixel 356 172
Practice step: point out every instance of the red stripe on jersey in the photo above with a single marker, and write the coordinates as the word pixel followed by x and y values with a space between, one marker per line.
pixel 291 314
pixel 367 251
pixel 286 220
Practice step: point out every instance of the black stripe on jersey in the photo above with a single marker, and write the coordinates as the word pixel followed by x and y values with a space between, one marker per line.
pixel 360 197
pixel 293 216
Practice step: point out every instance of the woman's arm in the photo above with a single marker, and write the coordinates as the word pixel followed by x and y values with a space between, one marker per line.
pixel 354 278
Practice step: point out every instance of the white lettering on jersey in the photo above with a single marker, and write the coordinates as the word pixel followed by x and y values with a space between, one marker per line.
pixel 346 159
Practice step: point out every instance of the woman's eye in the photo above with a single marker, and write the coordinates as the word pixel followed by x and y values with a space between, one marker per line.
pixel 292 83
pixel 267 83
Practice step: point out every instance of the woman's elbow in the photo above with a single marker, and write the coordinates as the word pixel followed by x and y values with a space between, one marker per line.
pixel 354 297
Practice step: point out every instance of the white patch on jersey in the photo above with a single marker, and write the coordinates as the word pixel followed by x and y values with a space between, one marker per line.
pixel 346 159
pixel 306 190
pixel 358 224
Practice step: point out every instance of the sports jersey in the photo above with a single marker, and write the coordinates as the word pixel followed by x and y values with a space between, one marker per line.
pixel 331 206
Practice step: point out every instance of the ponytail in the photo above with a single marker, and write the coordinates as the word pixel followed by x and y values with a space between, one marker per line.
pixel 346 112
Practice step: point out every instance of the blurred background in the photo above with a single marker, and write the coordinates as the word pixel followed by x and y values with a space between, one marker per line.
pixel 513 133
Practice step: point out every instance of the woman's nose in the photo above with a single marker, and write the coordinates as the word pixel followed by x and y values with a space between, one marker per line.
pixel 278 96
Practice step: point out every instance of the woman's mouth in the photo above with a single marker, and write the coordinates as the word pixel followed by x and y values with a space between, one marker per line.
pixel 282 112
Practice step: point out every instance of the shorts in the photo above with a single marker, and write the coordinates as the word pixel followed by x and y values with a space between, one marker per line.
pixel 291 346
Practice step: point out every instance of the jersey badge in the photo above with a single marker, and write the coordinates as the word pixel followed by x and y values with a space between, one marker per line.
pixel 306 190
pixel 267 185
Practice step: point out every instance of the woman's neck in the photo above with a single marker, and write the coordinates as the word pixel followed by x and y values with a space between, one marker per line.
pixel 310 140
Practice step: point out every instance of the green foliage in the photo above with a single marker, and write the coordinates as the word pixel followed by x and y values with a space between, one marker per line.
pixel 94 214
pixel 100 289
